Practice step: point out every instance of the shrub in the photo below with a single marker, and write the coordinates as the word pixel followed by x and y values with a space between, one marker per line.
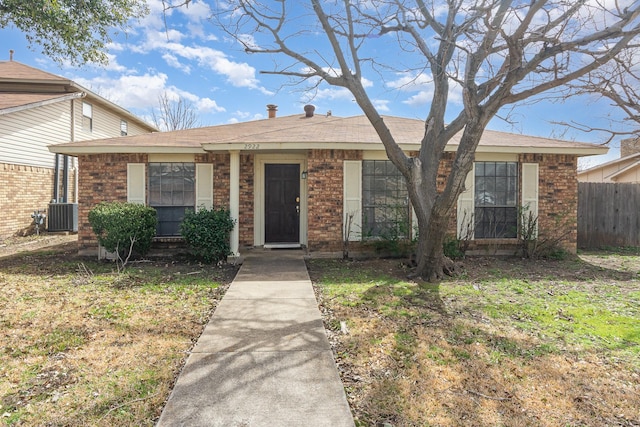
pixel 118 224
pixel 453 248
pixel 206 233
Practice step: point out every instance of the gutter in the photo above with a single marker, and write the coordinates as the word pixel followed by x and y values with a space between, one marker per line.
pixel 70 96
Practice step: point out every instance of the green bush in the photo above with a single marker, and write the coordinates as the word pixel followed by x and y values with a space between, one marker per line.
pixel 116 223
pixel 206 233
pixel 453 248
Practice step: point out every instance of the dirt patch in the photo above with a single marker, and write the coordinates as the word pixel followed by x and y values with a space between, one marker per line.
pixel 13 245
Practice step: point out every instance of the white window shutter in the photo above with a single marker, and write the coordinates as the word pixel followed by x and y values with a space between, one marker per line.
pixel 530 191
pixel 465 211
pixel 352 199
pixel 204 185
pixel 136 183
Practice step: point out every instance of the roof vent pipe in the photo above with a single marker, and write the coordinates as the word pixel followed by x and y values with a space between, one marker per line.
pixel 308 110
pixel 272 108
pixel 10 54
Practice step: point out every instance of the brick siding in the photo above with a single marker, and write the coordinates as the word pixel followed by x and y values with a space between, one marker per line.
pixel 325 181
pixel 103 178
pixel 557 197
pixel 23 190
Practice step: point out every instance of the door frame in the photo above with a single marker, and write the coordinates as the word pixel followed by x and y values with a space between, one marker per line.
pixel 259 197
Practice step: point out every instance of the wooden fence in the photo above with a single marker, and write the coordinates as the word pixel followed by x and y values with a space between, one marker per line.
pixel 608 214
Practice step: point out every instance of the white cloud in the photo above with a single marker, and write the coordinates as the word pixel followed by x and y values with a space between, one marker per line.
pixel 248 40
pixel 421 98
pixel 409 83
pixel 142 92
pixel 381 105
pixel 334 94
pixel 209 105
pixel 129 91
pixel 173 61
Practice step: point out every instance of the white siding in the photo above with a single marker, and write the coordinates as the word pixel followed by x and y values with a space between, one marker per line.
pixel 466 208
pixel 352 187
pixel 25 135
pixel 106 123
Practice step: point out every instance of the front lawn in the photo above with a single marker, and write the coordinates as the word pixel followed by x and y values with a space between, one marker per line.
pixel 82 345
pixel 509 343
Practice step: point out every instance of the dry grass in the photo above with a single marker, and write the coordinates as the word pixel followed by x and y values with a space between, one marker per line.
pixel 84 346
pixel 511 343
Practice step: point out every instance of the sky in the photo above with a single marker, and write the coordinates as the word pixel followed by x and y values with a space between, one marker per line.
pixel 189 57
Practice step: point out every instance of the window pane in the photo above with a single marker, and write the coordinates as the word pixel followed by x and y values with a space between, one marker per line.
pixel 495 196
pixel 87 110
pixel 171 192
pixel 384 199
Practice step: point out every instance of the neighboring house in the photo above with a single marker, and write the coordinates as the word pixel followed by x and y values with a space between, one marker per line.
pixel 38 109
pixel 624 169
pixel 293 181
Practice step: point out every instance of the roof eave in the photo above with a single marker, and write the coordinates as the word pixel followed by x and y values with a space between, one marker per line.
pixel 74 95
pixel 122 149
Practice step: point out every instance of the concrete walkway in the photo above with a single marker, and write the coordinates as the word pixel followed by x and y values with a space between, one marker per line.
pixel 264 358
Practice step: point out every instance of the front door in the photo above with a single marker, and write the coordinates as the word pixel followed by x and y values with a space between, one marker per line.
pixel 282 203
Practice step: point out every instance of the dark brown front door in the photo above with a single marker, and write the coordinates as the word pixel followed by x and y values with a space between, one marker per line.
pixel 282 203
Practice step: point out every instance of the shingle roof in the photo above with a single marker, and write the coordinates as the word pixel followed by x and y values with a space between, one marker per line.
pixel 16 71
pixel 299 132
pixel 25 86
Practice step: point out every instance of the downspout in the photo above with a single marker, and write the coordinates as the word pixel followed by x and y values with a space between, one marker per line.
pixel 73 139
pixel 65 179
pixel 56 178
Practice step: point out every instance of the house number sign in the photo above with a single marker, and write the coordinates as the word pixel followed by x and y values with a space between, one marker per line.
pixel 251 146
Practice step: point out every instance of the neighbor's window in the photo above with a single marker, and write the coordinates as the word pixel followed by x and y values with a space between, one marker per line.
pixel 385 200
pixel 495 198
pixel 124 128
pixel 87 116
pixel 171 193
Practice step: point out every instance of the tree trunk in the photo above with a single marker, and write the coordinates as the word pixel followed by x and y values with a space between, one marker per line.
pixel 432 264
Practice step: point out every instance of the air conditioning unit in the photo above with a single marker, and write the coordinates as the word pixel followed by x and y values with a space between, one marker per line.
pixel 63 217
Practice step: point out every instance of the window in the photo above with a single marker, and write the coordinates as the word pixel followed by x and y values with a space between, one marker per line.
pixel 87 116
pixel 385 207
pixel 123 128
pixel 495 200
pixel 171 192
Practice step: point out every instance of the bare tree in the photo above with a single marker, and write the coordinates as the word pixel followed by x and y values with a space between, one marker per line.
pixel 174 114
pixel 496 52
pixel 619 82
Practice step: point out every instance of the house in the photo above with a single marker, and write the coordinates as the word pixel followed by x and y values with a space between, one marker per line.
pixel 625 169
pixel 297 180
pixel 38 109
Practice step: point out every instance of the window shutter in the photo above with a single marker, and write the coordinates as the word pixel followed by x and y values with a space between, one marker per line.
pixel 136 183
pixel 204 185
pixel 466 208
pixel 352 199
pixel 530 191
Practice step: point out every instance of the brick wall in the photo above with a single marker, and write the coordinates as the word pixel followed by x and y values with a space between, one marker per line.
pixel 103 178
pixel 557 197
pixel 246 199
pixel 325 183
pixel 24 189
